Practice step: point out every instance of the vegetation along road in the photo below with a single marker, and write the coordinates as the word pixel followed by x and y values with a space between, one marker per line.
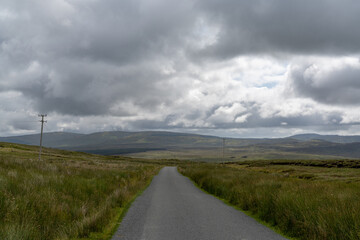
pixel 173 208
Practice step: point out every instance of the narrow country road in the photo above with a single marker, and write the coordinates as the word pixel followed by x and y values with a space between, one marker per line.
pixel 172 208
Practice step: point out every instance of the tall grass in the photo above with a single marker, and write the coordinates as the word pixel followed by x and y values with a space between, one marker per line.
pixel 301 208
pixel 68 195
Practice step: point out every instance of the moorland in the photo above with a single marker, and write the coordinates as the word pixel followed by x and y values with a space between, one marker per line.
pixel 66 195
pixel 166 145
pixel 306 186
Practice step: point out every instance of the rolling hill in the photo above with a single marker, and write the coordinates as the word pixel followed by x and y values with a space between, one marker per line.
pixel 329 138
pixel 158 144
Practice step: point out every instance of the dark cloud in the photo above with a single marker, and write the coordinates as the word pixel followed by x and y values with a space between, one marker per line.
pixel 95 90
pixel 138 62
pixel 330 83
pixel 23 124
pixel 279 26
pixel 85 58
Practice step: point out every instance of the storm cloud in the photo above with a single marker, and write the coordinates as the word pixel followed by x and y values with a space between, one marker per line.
pixel 279 27
pixel 328 81
pixel 200 66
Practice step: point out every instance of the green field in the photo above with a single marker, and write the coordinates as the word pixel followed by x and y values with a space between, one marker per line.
pixel 232 154
pixel 67 195
pixel 71 195
pixel 170 145
pixel 302 199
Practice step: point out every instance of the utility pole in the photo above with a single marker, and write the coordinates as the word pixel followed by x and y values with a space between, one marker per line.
pixel 223 150
pixel 42 128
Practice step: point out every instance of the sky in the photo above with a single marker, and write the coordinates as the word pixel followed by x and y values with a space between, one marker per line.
pixel 235 68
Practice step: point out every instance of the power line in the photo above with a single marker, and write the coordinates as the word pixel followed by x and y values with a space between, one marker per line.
pixel 42 127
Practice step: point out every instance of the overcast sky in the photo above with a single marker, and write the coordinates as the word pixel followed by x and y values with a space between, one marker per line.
pixel 240 68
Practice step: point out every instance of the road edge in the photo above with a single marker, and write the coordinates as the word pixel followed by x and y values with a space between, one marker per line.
pixel 248 213
pixel 120 212
pixel 128 205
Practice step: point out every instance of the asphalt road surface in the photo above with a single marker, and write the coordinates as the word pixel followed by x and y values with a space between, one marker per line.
pixel 172 208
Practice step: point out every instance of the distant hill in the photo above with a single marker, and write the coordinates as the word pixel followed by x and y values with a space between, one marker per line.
pixel 329 138
pixel 160 144
pixel 123 141
pixel 53 139
pixel 140 139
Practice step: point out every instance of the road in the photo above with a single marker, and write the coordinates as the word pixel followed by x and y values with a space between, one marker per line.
pixel 172 208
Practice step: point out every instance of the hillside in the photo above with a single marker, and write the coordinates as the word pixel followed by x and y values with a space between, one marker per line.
pixel 329 138
pixel 53 139
pixel 117 140
pixel 157 144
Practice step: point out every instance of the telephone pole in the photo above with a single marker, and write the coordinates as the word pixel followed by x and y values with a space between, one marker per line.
pixel 223 150
pixel 42 128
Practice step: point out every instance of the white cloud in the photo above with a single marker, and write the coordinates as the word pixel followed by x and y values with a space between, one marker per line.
pixel 227 114
pixel 6 14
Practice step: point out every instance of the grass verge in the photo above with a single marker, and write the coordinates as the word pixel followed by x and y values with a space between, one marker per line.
pixel 119 214
pixel 248 213
pixel 67 195
pixel 304 208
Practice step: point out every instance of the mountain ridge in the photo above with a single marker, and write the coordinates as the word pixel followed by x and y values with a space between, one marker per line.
pixel 176 144
pixel 329 138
